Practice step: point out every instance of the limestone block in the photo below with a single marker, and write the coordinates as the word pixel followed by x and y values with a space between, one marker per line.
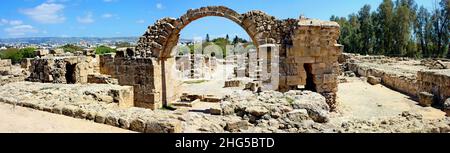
pixel 42 52
pixel 89 52
pixel 57 51
pixel 373 80
pixel 25 63
pixel 163 126
pixel 425 99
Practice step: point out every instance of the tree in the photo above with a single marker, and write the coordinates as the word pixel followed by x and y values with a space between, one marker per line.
pixel 440 23
pixel 207 37
pixel 237 40
pixel 366 30
pixel 227 37
pixel 446 7
pixel 422 30
pixel 385 11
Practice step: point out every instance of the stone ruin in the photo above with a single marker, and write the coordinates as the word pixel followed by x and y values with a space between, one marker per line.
pixel 55 67
pixel 430 84
pixel 196 66
pixel 308 53
pixel 306 50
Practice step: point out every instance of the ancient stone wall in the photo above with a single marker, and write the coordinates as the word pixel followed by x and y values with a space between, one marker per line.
pixel 436 82
pixel 62 69
pixel 144 74
pixel 404 83
pixel 304 43
pixel 5 66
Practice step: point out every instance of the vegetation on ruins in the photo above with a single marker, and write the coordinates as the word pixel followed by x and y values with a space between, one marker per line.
pixel 104 50
pixel 71 48
pixel 399 28
pixel 16 55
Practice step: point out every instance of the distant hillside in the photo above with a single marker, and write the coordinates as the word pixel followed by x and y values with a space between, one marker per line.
pixel 38 40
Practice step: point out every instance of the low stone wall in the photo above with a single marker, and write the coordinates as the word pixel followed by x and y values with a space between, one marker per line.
pixel 95 103
pixel 436 82
pixel 399 82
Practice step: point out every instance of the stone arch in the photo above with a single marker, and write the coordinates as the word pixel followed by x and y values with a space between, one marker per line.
pixel 160 38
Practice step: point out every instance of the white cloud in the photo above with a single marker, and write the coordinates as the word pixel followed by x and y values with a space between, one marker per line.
pixel 10 22
pixel 107 15
pixel 47 13
pixel 15 22
pixel 3 21
pixel 159 6
pixel 140 21
pixel 86 19
pixel 20 30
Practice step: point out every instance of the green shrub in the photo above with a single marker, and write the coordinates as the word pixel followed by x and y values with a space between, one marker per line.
pixel 16 55
pixel 71 48
pixel 28 52
pixel 104 50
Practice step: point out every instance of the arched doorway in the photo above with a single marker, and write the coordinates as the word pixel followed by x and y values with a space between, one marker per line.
pixel 160 39
pixel 205 62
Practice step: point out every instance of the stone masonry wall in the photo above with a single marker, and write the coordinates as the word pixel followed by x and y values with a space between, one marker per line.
pixel 65 69
pixel 314 51
pixel 303 43
pixel 436 82
pixel 144 74
pixel 399 82
pixel 5 66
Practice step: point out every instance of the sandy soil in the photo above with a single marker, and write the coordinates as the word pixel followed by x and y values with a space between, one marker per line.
pixel 25 120
pixel 358 99
pixel 215 85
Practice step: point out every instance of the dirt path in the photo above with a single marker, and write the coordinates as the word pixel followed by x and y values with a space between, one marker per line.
pixel 358 99
pixel 25 120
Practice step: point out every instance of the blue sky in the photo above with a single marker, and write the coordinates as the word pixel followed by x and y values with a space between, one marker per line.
pixel 115 18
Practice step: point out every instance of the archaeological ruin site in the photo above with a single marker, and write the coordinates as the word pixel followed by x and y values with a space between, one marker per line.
pixel 295 78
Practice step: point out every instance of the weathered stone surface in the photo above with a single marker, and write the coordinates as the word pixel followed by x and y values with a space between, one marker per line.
pixel 233 83
pixel 426 99
pixel 447 106
pixel 100 117
pixel 163 126
pixel 373 80
pixel 257 111
pixel 215 111
pixel 298 115
pixel 65 69
pixel 124 122
pixel 112 119
pixel 137 125
pixel 236 124
pixel 101 79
